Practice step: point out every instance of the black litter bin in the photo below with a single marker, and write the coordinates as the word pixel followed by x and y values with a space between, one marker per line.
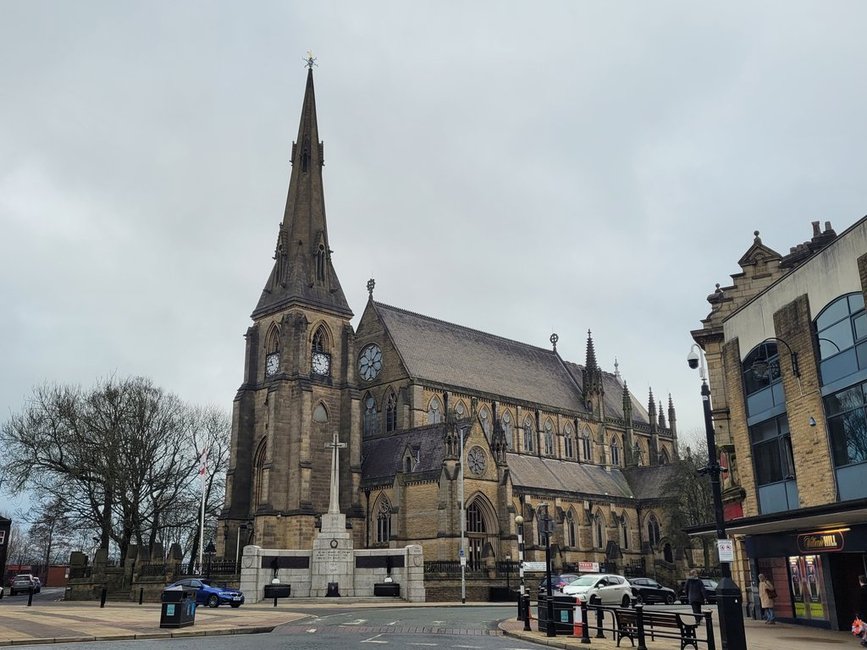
pixel 564 614
pixel 178 606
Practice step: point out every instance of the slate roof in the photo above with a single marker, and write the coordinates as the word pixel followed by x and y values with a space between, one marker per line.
pixel 649 482
pixel 382 455
pixel 454 355
pixel 567 476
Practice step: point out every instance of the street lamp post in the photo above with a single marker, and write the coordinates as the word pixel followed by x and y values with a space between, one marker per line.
pixel 547 529
pixel 731 616
pixel 523 609
pixel 462 430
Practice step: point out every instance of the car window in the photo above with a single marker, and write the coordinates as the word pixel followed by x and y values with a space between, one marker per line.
pixel 651 583
pixel 585 581
pixel 196 583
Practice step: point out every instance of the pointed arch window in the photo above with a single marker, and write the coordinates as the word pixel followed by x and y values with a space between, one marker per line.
pixel 598 531
pixel 460 411
pixel 383 521
pixel 624 533
pixel 391 412
pixel 586 450
pixel 485 421
pixel 571 530
pixel 615 452
pixel 540 529
pixel 320 262
pixel 434 411
pixel 549 438
pixel 663 457
pixel 475 519
pixel 371 420
pixel 528 435
pixel 508 430
pixel 568 446
pixel 653 530
pixel 259 474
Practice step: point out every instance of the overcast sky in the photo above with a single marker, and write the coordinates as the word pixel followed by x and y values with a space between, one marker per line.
pixel 518 168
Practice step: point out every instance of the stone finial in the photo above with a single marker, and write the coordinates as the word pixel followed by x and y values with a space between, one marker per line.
pixel 554 338
pixel 372 283
pixel 757 240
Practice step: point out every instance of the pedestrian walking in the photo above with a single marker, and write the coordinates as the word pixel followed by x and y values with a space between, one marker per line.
pixel 767 595
pixel 695 593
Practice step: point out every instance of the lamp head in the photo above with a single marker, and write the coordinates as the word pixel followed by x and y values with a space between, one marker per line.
pixel 692 359
pixel 519 520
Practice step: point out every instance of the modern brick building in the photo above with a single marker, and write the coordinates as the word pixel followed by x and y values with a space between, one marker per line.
pixel 400 391
pixel 786 346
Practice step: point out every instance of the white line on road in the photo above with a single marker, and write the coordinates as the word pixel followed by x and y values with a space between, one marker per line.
pixel 467 646
pixel 373 639
pixel 312 630
pixel 393 623
pixel 357 621
pixel 432 645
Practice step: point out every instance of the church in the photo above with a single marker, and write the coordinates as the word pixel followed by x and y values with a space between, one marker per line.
pixel 430 412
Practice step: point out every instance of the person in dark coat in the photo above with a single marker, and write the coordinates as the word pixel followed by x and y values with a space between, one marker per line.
pixel 695 593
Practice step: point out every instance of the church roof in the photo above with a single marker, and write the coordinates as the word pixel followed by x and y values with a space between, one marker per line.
pixel 649 482
pixel 479 362
pixel 382 455
pixel 567 476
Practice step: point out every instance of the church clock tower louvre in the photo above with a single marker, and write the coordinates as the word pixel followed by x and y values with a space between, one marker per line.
pixel 299 378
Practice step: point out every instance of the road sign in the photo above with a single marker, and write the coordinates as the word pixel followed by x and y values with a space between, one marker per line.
pixel 726 550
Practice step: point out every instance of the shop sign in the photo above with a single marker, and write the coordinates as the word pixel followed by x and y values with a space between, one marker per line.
pixel 820 542
pixel 588 567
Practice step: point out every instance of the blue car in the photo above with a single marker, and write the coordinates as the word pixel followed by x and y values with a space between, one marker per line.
pixel 211 595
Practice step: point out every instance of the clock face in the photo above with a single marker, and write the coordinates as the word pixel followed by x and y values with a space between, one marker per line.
pixel 321 363
pixel 272 363
pixel 370 362
pixel 476 460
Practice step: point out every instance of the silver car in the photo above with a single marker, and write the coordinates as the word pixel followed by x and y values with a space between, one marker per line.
pixel 601 589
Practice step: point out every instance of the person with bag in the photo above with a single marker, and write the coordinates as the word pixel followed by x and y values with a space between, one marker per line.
pixel 767 595
pixel 695 593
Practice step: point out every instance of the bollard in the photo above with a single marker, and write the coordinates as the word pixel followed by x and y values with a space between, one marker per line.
pixel 520 607
pixel 527 613
pixel 102 597
pixel 585 633
pixel 639 623
pixel 711 643
pixel 577 619
pixel 600 620
pixel 275 601
pixel 30 596
pixel 140 595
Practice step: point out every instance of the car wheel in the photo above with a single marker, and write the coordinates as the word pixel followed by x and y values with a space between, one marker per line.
pixel 669 599
pixel 626 601
pixel 213 600
pixel 235 605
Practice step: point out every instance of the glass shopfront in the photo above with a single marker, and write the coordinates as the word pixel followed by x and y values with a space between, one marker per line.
pixel 807 586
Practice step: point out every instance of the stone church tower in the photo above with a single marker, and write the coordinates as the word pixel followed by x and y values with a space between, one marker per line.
pixel 298 378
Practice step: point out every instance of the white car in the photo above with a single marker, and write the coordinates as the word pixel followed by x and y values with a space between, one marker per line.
pixel 601 589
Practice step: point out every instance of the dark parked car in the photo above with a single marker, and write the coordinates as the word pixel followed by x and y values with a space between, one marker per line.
pixel 211 595
pixel 557 582
pixel 709 590
pixel 23 583
pixel 648 590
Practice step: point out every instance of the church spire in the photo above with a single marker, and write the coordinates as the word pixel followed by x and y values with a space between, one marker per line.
pixel 302 272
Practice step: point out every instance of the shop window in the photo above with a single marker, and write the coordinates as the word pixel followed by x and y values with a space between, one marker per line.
pixel 846 412
pixel 807 586
pixel 841 333
pixel 774 465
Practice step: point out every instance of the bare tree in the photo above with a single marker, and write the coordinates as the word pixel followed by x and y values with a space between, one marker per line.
pixel 120 458
pixel 690 499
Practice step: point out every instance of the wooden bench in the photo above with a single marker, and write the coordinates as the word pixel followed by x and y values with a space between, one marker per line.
pixel 626 625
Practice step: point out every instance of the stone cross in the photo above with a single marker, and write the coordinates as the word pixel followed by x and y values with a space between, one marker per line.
pixel 334 502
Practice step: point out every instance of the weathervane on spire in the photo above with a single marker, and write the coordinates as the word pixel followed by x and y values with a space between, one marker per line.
pixel 310 60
